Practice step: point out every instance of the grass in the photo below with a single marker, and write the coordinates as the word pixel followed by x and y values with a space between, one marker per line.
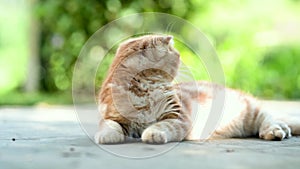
pixel 29 99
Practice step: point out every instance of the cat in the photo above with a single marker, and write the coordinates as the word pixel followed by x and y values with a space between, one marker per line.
pixel 138 99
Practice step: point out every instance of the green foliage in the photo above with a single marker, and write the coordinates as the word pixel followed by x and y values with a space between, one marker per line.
pixel 274 76
pixel 38 98
pixel 13 45
pixel 244 35
pixel 257 42
pixel 67 25
pixel 280 73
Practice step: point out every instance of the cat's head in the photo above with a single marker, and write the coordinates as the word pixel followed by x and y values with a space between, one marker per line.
pixel 148 52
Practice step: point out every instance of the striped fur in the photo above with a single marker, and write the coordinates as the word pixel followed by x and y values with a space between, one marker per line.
pixel 243 115
pixel 138 100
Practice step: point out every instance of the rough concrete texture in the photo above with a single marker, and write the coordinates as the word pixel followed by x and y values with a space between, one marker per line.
pixel 52 137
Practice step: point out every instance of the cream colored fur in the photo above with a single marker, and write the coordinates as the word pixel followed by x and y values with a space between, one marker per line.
pixel 139 100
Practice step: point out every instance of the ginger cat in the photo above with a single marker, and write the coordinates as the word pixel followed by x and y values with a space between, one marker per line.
pixel 139 100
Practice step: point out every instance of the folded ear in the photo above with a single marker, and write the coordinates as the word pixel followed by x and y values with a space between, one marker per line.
pixel 169 40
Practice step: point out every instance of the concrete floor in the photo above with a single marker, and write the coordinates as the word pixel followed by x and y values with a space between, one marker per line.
pixel 52 137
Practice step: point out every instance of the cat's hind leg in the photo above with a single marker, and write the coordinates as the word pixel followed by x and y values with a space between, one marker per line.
pixel 295 127
pixel 254 122
pixel 110 132
pixel 271 129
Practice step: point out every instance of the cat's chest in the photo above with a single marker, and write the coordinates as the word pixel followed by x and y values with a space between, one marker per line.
pixel 144 102
pixel 150 106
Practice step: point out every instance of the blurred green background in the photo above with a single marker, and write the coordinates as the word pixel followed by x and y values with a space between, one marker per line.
pixel 257 41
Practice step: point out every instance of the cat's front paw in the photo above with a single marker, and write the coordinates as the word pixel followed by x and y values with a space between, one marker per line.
pixel 110 133
pixel 154 136
pixel 275 131
pixel 108 138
